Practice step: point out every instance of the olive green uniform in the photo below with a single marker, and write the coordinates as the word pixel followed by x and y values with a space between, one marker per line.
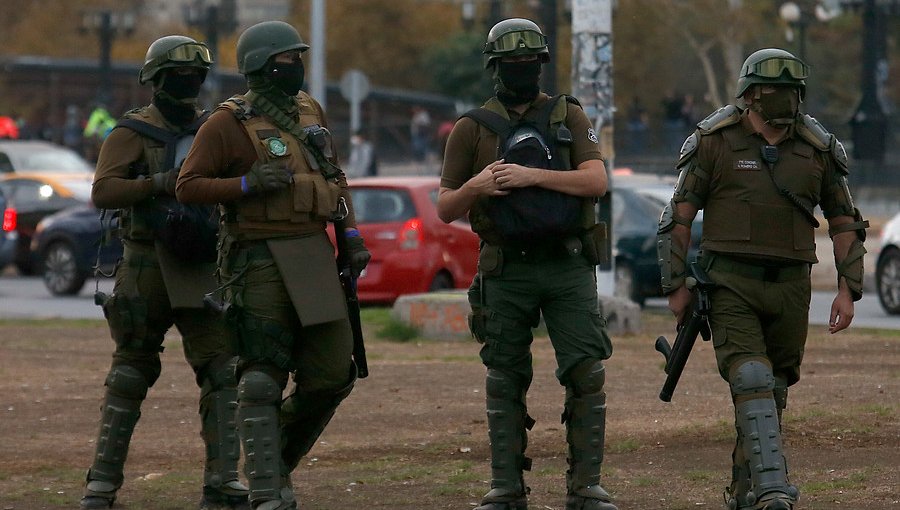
pixel 758 245
pixel 154 290
pixel 516 285
pixel 281 285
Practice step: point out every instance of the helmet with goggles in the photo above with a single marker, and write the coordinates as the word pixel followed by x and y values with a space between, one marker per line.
pixel 174 51
pixel 263 40
pixel 513 37
pixel 772 66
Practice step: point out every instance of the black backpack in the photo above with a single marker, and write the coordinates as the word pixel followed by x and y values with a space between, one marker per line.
pixel 532 214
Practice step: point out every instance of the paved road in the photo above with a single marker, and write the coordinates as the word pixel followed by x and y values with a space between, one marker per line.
pixel 26 297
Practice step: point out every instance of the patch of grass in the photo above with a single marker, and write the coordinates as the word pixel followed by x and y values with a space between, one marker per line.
pixel 645 481
pixel 700 476
pixel 626 445
pixel 53 323
pixel 880 410
pixel 398 331
pixel 855 481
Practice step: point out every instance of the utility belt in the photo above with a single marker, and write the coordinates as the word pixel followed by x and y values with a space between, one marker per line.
pixel 757 271
pixel 542 252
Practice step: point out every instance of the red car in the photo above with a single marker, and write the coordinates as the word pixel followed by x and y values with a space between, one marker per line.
pixel 413 251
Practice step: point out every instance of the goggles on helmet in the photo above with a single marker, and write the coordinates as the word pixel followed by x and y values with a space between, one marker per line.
pixel 511 41
pixel 187 53
pixel 774 67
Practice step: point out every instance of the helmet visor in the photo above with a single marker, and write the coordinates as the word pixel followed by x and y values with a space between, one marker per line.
pixel 774 67
pixel 188 53
pixel 511 41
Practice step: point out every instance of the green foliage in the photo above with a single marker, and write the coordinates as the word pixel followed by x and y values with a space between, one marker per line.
pixel 386 326
pixel 457 68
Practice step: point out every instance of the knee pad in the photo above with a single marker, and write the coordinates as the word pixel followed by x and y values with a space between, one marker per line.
pixel 258 388
pixel 503 386
pixel 588 377
pixel 127 382
pixel 219 375
pixel 751 377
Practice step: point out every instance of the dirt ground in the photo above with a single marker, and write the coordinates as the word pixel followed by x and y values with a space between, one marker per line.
pixel 413 435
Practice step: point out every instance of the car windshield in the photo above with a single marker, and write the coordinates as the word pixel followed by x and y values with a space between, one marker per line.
pixel 47 159
pixel 381 205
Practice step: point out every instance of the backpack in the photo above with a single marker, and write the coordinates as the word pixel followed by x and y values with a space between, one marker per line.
pixel 532 214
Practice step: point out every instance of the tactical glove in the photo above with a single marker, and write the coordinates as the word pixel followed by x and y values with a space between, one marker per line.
pixel 164 182
pixel 264 177
pixel 359 255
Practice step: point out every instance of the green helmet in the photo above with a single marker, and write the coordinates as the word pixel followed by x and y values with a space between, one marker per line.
pixel 515 36
pixel 772 66
pixel 174 51
pixel 261 41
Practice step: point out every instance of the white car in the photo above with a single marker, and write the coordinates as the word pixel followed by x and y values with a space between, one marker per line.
pixel 887 271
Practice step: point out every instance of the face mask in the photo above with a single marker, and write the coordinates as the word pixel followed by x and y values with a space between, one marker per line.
pixel 286 77
pixel 182 86
pixel 779 108
pixel 520 79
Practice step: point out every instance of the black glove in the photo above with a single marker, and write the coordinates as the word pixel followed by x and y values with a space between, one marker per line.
pixel 164 182
pixel 264 177
pixel 359 255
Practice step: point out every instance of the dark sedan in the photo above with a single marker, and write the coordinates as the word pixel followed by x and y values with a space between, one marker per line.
pixel 67 246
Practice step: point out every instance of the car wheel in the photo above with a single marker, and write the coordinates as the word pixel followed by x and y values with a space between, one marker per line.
pixel 887 281
pixel 625 286
pixel 442 281
pixel 61 274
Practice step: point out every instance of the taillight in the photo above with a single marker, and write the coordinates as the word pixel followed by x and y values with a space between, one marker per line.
pixel 9 219
pixel 411 235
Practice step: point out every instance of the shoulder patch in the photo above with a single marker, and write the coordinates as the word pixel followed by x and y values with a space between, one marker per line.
pixel 813 132
pixel 724 116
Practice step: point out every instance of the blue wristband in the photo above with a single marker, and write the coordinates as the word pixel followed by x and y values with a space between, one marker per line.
pixel 244 187
pixel 351 233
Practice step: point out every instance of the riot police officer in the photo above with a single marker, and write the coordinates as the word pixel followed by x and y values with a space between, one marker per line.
pixel 158 283
pixel 534 215
pixel 758 171
pixel 268 158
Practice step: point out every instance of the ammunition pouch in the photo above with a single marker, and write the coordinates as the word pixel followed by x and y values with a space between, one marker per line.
pixel 264 340
pixel 594 242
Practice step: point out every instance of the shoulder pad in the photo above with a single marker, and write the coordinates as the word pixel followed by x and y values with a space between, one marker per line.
pixel 813 132
pixel 688 148
pixel 239 106
pixel 840 155
pixel 560 109
pixel 724 116
pixel 572 99
pixel 494 105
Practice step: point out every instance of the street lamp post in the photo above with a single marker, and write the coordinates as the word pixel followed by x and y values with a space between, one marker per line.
pixel 798 19
pixel 107 24
pixel 214 18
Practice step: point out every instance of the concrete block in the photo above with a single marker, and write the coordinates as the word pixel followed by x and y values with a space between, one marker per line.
pixel 442 315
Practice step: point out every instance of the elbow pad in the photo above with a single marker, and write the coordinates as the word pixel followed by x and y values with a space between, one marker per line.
pixel 672 260
pixel 851 269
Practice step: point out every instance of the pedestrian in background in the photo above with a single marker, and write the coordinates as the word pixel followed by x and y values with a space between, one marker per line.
pixel 758 172
pixel 526 168
pixel 160 283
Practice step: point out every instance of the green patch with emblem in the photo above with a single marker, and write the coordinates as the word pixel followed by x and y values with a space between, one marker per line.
pixel 276 146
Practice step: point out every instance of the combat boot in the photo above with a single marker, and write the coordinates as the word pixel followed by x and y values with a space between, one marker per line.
pixel 507 425
pixel 218 413
pixel 736 494
pixel 585 420
pixel 126 388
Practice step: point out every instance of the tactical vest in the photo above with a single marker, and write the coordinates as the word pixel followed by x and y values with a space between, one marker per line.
pixel 309 199
pixel 480 213
pixel 162 142
pixel 747 214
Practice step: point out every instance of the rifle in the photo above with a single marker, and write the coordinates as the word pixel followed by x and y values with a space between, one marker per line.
pixel 677 355
pixel 348 283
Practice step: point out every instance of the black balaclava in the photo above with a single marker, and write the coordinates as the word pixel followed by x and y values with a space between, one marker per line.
pixel 517 82
pixel 279 83
pixel 779 108
pixel 176 96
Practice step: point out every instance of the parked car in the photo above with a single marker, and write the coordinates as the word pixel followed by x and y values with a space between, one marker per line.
pixel 413 251
pixel 887 269
pixel 32 196
pixel 40 156
pixel 637 203
pixel 67 246
pixel 8 235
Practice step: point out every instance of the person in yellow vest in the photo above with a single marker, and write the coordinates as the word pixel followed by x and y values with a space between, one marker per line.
pixel 758 171
pixel 268 159
pixel 168 265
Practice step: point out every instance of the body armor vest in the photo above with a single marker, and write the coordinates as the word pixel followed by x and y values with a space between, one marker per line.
pixel 479 215
pixel 750 212
pixel 163 143
pixel 310 199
